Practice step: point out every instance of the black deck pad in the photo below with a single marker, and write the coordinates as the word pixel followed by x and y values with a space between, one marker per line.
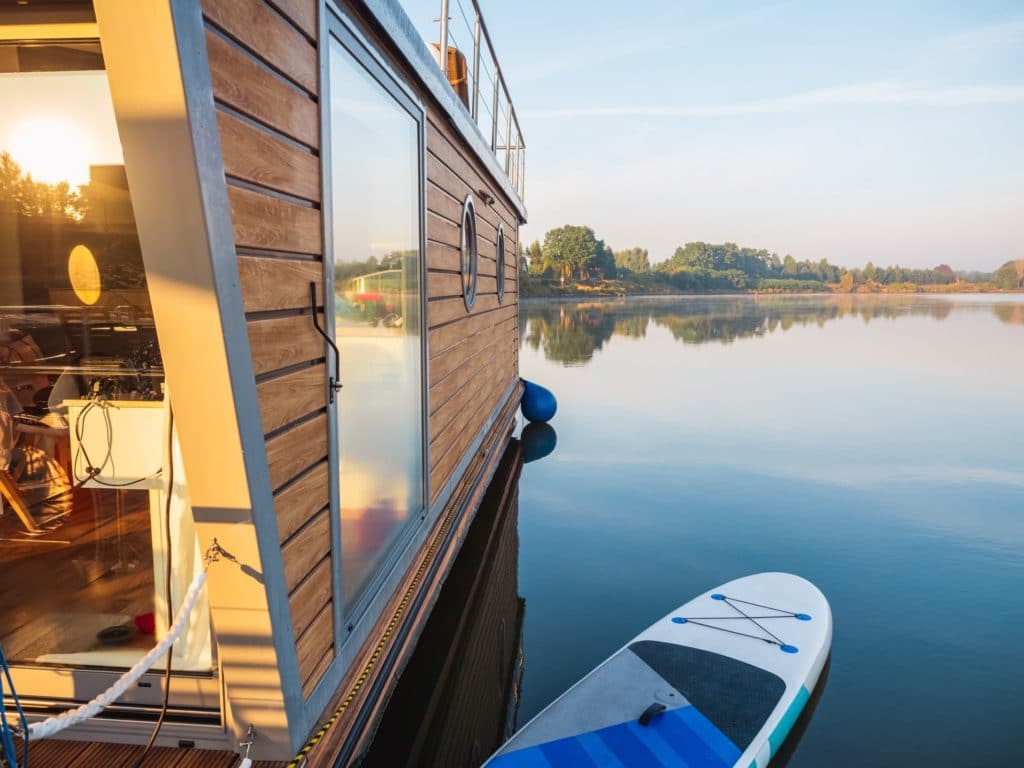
pixel 737 697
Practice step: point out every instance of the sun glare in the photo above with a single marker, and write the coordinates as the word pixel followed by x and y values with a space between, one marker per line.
pixel 51 150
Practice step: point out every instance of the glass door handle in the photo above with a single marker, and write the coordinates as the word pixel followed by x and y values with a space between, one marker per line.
pixel 333 382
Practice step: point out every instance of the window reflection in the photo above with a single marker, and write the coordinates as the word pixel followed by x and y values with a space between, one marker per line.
pixel 83 415
pixel 377 262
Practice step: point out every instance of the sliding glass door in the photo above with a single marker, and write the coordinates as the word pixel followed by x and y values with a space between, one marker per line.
pixel 376 135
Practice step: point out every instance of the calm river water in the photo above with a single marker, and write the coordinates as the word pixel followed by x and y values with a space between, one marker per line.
pixel 874 445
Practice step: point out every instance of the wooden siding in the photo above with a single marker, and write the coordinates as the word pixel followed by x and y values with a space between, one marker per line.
pixel 264 65
pixel 58 753
pixel 473 354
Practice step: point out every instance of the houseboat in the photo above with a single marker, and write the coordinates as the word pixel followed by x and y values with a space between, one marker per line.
pixel 258 365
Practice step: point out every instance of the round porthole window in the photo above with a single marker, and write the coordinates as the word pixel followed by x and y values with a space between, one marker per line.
pixel 469 254
pixel 500 266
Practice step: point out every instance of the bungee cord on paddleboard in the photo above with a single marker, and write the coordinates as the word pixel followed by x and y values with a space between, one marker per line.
pixel 771 639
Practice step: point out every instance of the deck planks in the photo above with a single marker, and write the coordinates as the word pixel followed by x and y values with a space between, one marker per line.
pixel 60 753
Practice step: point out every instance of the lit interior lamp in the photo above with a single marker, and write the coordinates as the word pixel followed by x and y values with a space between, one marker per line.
pixel 84 274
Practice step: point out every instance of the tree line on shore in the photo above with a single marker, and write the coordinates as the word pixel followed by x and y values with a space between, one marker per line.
pixel 573 258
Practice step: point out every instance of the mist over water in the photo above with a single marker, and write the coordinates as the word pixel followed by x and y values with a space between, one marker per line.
pixel 872 444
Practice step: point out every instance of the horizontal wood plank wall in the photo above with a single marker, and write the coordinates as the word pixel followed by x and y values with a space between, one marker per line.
pixel 264 66
pixel 473 354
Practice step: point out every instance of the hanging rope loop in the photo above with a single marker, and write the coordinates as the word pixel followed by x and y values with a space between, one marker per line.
pixel 54 725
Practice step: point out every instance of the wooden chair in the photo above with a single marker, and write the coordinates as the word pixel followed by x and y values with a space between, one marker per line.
pixel 21 438
pixel 15 499
pixel 20 432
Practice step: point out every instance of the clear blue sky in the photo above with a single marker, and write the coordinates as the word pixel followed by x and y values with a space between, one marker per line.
pixel 889 131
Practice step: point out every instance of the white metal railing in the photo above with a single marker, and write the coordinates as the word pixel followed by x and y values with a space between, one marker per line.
pixel 486 93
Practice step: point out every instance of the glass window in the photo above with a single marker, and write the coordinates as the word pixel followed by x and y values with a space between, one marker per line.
pixel 499 270
pixel 376 187
pixel 469 252
pixel 84 421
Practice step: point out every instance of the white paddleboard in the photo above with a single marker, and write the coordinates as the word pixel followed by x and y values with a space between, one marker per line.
pixel 717 683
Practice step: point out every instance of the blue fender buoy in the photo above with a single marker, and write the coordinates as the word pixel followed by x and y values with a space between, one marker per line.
pixel 539 440
pixel 538 403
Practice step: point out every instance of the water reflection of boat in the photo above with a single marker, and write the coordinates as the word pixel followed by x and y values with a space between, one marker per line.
pixel 385 285
pixel 377 297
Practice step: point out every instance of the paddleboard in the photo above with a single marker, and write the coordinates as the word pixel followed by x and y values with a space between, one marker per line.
pixel 718 682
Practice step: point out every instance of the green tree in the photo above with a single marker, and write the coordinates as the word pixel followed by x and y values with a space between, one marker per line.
pixel 603 262
pixel 1010 275
pixel 570 249
pixel 535 259
pixel 635 260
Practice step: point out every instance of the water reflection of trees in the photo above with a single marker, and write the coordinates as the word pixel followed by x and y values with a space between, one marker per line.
pixel 571 333
pixel 1012 314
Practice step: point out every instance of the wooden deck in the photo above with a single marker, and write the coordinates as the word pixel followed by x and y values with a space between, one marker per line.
pixel 53 753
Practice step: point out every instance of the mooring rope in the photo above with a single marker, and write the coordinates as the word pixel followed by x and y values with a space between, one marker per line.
pixel 53 725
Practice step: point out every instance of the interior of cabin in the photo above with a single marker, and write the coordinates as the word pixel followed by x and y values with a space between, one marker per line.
pixel 84 448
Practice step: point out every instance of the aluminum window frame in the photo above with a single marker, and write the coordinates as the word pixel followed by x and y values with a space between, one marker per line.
pixel 499 263
pixel 469 252
pixel 354 628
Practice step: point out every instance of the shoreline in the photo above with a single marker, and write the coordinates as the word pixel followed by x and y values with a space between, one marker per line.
pixel 587 297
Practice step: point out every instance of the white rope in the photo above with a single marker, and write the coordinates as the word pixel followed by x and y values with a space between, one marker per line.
pixel 51 725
